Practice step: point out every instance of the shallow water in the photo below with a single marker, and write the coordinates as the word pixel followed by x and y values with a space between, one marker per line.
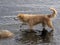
pixel 29 38
pixel 10 8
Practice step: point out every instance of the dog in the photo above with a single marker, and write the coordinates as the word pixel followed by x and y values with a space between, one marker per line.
pixel 34 19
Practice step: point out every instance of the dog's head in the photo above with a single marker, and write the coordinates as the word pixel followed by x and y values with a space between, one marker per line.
pixel 19 17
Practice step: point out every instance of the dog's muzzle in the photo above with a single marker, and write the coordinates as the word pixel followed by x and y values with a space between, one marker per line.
pixel 15 18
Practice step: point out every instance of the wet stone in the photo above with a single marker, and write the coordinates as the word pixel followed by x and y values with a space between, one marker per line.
pixel 34 36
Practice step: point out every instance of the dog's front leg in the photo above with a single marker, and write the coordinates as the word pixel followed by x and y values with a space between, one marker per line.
pixel 31 25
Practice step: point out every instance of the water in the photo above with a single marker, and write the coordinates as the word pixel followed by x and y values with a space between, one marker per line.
pixel 10 8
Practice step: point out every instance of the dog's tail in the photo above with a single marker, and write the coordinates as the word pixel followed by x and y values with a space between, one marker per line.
pixel 53 15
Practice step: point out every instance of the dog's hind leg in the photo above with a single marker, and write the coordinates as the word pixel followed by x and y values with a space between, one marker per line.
pixel 49 23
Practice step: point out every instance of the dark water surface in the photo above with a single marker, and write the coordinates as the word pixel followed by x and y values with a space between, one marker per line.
pixel 10 8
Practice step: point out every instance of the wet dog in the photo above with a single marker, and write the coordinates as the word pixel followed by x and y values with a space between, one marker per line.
pixel 34 19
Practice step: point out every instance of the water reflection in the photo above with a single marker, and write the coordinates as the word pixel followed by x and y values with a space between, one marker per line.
pixel 34 37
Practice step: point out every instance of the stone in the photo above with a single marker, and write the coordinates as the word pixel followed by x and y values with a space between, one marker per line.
pixel 5 34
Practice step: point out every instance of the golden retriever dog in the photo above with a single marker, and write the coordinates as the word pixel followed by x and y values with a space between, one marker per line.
pixel 34 19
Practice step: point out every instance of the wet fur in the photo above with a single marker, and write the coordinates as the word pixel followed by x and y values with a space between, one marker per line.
pixel 34 19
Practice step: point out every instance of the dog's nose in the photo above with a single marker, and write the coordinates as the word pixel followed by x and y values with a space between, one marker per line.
pixel 15 18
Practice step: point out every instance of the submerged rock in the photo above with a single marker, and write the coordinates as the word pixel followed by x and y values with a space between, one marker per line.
pixel 5 34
